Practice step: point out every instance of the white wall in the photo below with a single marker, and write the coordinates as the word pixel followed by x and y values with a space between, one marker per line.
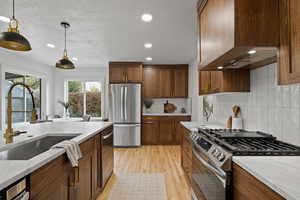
pixel 268 107
pixel 80 74
pixel 193 92
pixel 19 63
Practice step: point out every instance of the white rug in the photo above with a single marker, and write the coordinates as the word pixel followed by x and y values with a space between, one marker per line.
pixel 139 187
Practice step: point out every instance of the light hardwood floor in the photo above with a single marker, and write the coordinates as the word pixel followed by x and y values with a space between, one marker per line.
pixel 152 159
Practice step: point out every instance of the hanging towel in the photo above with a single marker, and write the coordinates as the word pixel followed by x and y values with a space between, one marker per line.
pixel 73 151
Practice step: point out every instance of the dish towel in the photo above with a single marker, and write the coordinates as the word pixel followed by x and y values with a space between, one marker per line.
pixel 73 151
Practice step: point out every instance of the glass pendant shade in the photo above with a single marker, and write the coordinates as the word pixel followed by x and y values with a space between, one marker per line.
pixel 12 39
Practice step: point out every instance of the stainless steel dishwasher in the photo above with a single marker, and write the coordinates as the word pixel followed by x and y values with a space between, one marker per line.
pixel 106 157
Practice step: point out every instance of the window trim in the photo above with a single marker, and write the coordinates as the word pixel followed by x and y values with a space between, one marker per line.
pixel 83 85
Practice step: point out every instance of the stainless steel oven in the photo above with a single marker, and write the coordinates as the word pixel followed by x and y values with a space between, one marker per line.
pixel 209 182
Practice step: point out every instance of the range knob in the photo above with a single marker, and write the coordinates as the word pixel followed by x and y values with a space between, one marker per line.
pixel 221 157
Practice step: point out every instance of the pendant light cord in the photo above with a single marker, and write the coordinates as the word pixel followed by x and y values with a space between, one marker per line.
pixel 13 9
pixel 65 51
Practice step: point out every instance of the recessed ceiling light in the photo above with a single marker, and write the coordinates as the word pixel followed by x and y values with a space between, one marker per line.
pixel 147 17
pixel 4 19
pixel 220 67
pixel 75 59
pixel 148 58
pixel 148 45
pixel 50 45
pixel 251 52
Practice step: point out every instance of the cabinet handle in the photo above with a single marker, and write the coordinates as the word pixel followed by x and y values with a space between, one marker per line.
pixel 76 177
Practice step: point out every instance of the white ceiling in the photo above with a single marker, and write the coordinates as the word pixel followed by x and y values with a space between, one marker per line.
pixel 107 30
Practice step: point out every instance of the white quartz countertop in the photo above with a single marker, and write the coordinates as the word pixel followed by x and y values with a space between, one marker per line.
pixel 166 114
pixel 13 170
pixel 195 125
pixel 279 173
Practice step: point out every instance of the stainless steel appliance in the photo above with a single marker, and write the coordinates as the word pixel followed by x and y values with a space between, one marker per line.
pixel 126 114
pixel 212 154
pixel 106 158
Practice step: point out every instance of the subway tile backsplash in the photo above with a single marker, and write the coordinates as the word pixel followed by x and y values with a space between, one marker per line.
pixel 268 107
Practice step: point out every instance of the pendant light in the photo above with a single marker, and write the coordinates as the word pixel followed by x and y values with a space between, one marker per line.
pixel 12 39
pixel 65 63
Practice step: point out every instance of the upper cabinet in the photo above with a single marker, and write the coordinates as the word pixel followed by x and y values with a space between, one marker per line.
pixel 289 53
pixel 165 81
pixel 212 82
pixel 125 72
pixel 229 29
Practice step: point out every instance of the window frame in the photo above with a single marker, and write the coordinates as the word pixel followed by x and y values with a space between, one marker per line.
pixel 83 85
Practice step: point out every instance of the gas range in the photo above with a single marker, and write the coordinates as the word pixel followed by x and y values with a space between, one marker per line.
pixel 212 157
pixel 220 145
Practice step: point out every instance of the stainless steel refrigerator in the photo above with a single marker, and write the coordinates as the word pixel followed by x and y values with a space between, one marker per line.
pixel 125 101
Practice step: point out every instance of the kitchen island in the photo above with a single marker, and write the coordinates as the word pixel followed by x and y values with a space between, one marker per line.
pixel 87 134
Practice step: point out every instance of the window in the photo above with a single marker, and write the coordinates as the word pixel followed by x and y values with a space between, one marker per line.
pixel 21 99
pixel 84 98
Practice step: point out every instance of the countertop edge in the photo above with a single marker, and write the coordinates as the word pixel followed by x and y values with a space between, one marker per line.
pixel 263 180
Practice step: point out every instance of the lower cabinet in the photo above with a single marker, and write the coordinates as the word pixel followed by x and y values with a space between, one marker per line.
pixel 162 130
pixel 60 181
pixel 247 187
pixel 186 152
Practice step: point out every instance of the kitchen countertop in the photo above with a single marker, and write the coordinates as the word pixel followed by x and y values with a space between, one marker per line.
pixel 194 125
pixel 279 173
pixel 166 114
pixel 13 170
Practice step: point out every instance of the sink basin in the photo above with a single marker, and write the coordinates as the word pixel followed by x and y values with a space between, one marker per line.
pixel 34 148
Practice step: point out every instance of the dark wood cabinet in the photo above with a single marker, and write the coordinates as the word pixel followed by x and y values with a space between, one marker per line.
pixel 289 52
pixel 150 131
pixel 51 181
pixel 212 82
pixel 60 181
pixel 247 187
pixel 181 83
pixel 165 81
pixel 162 130
pixel 125 72
pixel 228 29
pixel 186 151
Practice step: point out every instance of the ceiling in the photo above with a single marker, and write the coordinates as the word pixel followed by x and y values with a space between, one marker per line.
pixel 107 30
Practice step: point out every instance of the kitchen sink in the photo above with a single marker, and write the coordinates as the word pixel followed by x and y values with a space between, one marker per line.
pixel 31 149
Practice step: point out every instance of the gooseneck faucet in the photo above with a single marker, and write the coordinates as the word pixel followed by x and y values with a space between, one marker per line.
pixel 9 134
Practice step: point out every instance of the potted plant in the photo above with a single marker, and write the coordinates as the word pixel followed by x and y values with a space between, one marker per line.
pixel 66 106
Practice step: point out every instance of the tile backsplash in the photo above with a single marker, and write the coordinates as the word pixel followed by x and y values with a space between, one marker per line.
pixel 268 107
pixel 158 105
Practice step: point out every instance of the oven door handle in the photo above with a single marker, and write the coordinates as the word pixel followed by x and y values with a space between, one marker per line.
pixel 219 173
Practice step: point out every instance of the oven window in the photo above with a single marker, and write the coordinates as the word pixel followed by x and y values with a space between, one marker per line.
pixel 210 185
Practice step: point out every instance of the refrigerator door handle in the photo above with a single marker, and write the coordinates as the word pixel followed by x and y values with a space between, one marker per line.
pixel 122 102
pixel 125 102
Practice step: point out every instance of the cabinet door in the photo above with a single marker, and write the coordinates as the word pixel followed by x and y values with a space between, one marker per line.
pixel 86 187
pixel 116 73
pixel 289 52
pixel 51 181
pixel 166 83
pixel 216 29
pixel 134 72
pixel 216 78
pixel 167 133
pixel 150 130
pixel 178 128
pixel 180 83
pixel 151 83
pixel 204 82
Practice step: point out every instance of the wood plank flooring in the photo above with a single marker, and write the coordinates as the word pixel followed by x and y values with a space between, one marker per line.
pixel 152 159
